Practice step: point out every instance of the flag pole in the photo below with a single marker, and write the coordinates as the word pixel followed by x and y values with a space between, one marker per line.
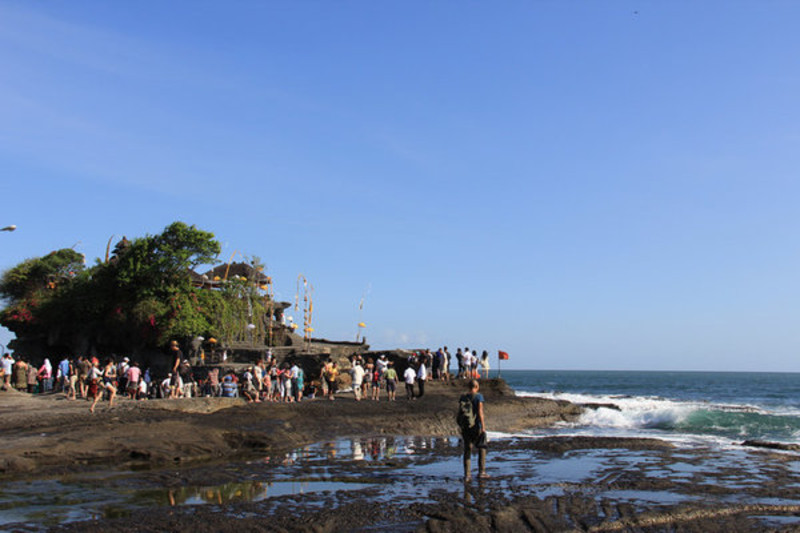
pixel 499 373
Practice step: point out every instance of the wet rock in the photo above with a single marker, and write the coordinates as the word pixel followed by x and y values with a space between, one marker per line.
pixel 564 444
pixel 596 406
pixel 57 433
pixel 772 445
pixel 16 465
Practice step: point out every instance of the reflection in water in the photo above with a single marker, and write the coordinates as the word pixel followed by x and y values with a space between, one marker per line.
pixel 227 493
pixel 57 501
pixel 357 450
pixel 330 450
pixel 251 491
pixel 376 448
pixel 367 449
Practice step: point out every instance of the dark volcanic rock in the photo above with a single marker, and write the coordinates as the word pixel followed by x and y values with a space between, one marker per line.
pixel 565 444
pixel 772 445
pixel 596 406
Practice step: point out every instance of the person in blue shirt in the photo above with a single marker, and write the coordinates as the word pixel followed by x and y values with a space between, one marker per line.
pixel 230 389
pixel 63 368
pixel 475 436
pixel 298 382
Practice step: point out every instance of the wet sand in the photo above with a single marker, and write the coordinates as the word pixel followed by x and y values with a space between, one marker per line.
pixel 217 465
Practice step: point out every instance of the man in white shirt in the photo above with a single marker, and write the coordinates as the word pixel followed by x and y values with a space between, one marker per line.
pixel 357 374
pixel 382 364
pixel 467 363
pixel 8 367
pixel 409 376
pixel 258 376
pixel 422 377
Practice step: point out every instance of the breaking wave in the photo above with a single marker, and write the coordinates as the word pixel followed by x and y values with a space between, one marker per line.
pixel 653 414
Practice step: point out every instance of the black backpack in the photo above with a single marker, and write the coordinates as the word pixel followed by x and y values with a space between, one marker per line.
pixel 466 416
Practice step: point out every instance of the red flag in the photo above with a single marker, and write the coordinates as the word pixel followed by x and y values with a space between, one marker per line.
pixel 502 355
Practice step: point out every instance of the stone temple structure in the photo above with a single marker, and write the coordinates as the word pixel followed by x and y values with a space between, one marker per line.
pixel 273 334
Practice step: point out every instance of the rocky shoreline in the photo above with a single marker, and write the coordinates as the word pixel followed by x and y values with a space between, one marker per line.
pixel 185 455
pixel 47 435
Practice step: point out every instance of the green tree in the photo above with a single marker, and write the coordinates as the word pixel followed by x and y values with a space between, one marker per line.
pixel 35 275
pixel 156 264
pixel 142 296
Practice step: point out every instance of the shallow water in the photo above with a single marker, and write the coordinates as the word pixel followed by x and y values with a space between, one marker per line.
pixel 406 470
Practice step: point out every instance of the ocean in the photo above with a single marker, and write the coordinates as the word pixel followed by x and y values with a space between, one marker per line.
pixel 704 407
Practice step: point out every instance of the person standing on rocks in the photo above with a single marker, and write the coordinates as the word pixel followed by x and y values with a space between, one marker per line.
pixel 473 429
pixel 485 363
pixel 391 381
pixel 63 375
pixel 109 383
pixel 258 376
pixel 330 374
pixel 45 376
pixel 298 382
pixel 122 375
pixel 33 378
pixel 177 357
pixel 357 375
pixel 8 369
pixel 84 367
pixel 375 376
pixel 422 377
pixel 213 382
pixel 94 391
pixel 382 364
pixel 409 376
pixel 187 379
pixel 21 375
pixel 133 377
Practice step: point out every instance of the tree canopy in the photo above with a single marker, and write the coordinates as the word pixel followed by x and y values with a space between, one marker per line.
pixel 141 296
pixel 34 275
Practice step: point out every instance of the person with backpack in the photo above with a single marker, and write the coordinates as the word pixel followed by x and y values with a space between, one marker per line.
pixel 471 421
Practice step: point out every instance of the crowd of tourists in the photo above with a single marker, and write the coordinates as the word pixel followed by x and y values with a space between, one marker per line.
pixel 26 376
pixel 369 377
pixel 265 381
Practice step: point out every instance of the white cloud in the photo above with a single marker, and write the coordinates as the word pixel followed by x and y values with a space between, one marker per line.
pixel 402 339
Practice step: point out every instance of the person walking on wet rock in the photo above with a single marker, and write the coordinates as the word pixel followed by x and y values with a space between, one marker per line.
pixel 471 421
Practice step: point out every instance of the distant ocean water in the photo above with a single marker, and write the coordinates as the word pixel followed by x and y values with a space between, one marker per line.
pixel 725 407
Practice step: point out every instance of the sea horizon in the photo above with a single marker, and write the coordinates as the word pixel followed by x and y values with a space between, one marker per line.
pixel 494 371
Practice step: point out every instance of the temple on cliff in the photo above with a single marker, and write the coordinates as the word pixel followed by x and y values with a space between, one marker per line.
pixel 273 331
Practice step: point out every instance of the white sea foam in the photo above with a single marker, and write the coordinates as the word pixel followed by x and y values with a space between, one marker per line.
pixel 647 414
pixel 787 411
pixel 634 412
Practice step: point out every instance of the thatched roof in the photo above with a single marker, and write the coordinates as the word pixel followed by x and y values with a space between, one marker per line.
pixel 242 270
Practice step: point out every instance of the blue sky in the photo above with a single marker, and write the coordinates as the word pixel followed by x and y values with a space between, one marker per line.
pixel 586 185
